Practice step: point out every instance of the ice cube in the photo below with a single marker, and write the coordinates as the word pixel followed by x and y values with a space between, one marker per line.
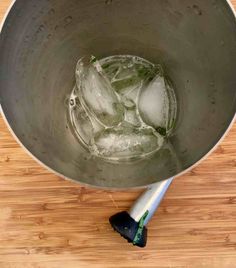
pixel 84 123
pixel 172 105
pixel 154 104
pixel 81 123
pixel 131 113
pixel 129 82
pixel 96 93
pixel 127 73
pixel 128 103
pixel 132 117
pixel 125 142
pixel 125 106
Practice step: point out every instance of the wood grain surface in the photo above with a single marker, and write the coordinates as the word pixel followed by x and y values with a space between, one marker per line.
pixel 47 222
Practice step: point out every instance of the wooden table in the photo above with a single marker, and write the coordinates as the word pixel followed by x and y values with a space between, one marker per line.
pixel 47 222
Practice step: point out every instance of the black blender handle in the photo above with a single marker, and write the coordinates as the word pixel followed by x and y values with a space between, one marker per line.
pixel 132 225
pixel 128 228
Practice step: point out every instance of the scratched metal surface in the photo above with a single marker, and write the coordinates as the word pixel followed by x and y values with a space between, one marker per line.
pixel 47 222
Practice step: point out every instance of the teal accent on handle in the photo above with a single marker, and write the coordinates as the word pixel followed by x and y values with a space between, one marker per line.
pixel 140 228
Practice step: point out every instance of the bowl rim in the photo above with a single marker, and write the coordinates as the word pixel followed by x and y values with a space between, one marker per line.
pixel 83 184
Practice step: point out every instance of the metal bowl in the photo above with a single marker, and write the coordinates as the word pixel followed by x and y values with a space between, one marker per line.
pixel 41 41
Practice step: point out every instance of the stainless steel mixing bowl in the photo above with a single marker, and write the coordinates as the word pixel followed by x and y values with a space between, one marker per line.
pixel 41 41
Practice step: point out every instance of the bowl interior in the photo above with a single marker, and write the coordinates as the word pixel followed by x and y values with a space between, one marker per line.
pixel 41 42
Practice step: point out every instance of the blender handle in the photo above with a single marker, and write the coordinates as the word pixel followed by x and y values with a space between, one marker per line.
pixel 132 225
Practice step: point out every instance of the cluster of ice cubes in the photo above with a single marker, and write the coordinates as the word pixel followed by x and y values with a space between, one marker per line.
pixel 122 107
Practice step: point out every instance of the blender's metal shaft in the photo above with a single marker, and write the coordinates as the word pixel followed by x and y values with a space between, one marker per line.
pixel 149 201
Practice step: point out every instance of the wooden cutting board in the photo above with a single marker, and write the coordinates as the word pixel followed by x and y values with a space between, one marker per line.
pixel 47 222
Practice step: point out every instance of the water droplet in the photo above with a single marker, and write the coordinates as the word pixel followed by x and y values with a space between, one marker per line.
pixel 51 12
pixel 212 84
pixel 26 38
pixel 68 20
pixel 222 43
pixel 197 10
pixel 41 28
pixel 72 102
pixel 214 4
